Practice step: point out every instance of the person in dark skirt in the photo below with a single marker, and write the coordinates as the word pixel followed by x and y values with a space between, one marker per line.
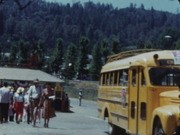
pixel 47 102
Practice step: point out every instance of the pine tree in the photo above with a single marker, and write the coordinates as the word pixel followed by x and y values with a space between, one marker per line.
pixel 96 64
pixel 178 45
pixel 13 53
pixel 57 57
pixel 36 56
pixel 106 51
pixel 23 52
pixel 1 23
pixel 82 61
pixel 70 62
pixel 115 47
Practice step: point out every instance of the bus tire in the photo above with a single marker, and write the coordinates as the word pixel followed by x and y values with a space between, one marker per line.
pixel 115 130
pixel 157 128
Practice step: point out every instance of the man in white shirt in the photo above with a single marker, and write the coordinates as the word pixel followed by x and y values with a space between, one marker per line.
pixel 4 102
pixel 34 95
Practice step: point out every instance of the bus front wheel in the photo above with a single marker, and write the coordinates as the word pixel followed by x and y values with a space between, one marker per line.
pixel 158 130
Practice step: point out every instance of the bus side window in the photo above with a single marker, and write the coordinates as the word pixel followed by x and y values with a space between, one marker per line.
pixel 143 111
pixel 143 80
pixel 133 109
pixel 120 78
pixel 111 79
pixel 108 79
pixel 101 79
pixel 116 78
pixel 134 77
pixel 123 77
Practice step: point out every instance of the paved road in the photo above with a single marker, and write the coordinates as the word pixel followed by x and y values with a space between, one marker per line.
pixel 82 120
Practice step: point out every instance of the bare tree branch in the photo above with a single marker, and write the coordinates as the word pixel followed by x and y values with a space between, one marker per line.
pixel 19 4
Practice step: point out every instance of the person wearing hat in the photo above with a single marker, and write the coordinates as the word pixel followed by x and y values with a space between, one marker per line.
pixel 34 95
pixel 19 104
pixel 4 102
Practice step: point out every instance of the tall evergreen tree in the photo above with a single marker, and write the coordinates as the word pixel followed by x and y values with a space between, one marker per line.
pixel 82 61
pixel 106 51
pixel 36 56
pixel 23 52
pixel 70 62
pixel 1 22
pixel 96 64
pixel 115 47
pixel 178 45
pixel 13 53
pixel 40 53
pixel 57 56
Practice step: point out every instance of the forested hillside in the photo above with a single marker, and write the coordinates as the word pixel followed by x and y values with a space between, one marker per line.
pixel 67 33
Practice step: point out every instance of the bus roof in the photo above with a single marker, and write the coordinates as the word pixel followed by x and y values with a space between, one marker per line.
pixel 143 59
pixel 127 54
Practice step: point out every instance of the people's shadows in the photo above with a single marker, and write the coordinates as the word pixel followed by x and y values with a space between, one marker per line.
pixel 69 111
pixel 107 133
pixel 47 128
pixel 66 110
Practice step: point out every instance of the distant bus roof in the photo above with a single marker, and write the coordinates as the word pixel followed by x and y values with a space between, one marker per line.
pixel 22 74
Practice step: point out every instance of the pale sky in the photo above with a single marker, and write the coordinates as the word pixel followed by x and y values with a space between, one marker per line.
pixel 162 5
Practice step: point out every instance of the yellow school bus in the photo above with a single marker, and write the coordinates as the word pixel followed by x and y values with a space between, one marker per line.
pixel 139 92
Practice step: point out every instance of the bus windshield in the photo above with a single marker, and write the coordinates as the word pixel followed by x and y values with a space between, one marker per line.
pixel 164 76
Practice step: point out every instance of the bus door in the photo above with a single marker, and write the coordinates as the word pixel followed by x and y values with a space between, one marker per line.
pixel 137 101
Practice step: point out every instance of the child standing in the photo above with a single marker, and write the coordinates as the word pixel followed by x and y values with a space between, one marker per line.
pixel 19 104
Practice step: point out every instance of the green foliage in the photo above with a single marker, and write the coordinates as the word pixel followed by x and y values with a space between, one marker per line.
pixel 56 61
pixel 37 30
pixel 105 50
pixel 1 22
pixel 22 54
pixel 82 60
pixel 168 38
pixel 96 63
pixel 49 21
pixel 69 69
pixel 177 45
pixel 13 53
pixel 38 50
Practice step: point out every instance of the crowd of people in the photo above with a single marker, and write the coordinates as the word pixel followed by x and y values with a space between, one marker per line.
pixel 27 104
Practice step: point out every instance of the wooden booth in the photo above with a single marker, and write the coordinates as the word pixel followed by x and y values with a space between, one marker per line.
pixel 61 102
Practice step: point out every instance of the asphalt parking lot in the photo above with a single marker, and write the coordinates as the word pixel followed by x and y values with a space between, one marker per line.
pixel 81 120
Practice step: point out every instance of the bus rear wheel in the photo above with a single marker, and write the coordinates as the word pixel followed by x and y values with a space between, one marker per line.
pixel 158 130
pixel 115 130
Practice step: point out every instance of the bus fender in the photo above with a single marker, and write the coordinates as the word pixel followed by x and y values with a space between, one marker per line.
pixel 168 118
pixel 106 112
